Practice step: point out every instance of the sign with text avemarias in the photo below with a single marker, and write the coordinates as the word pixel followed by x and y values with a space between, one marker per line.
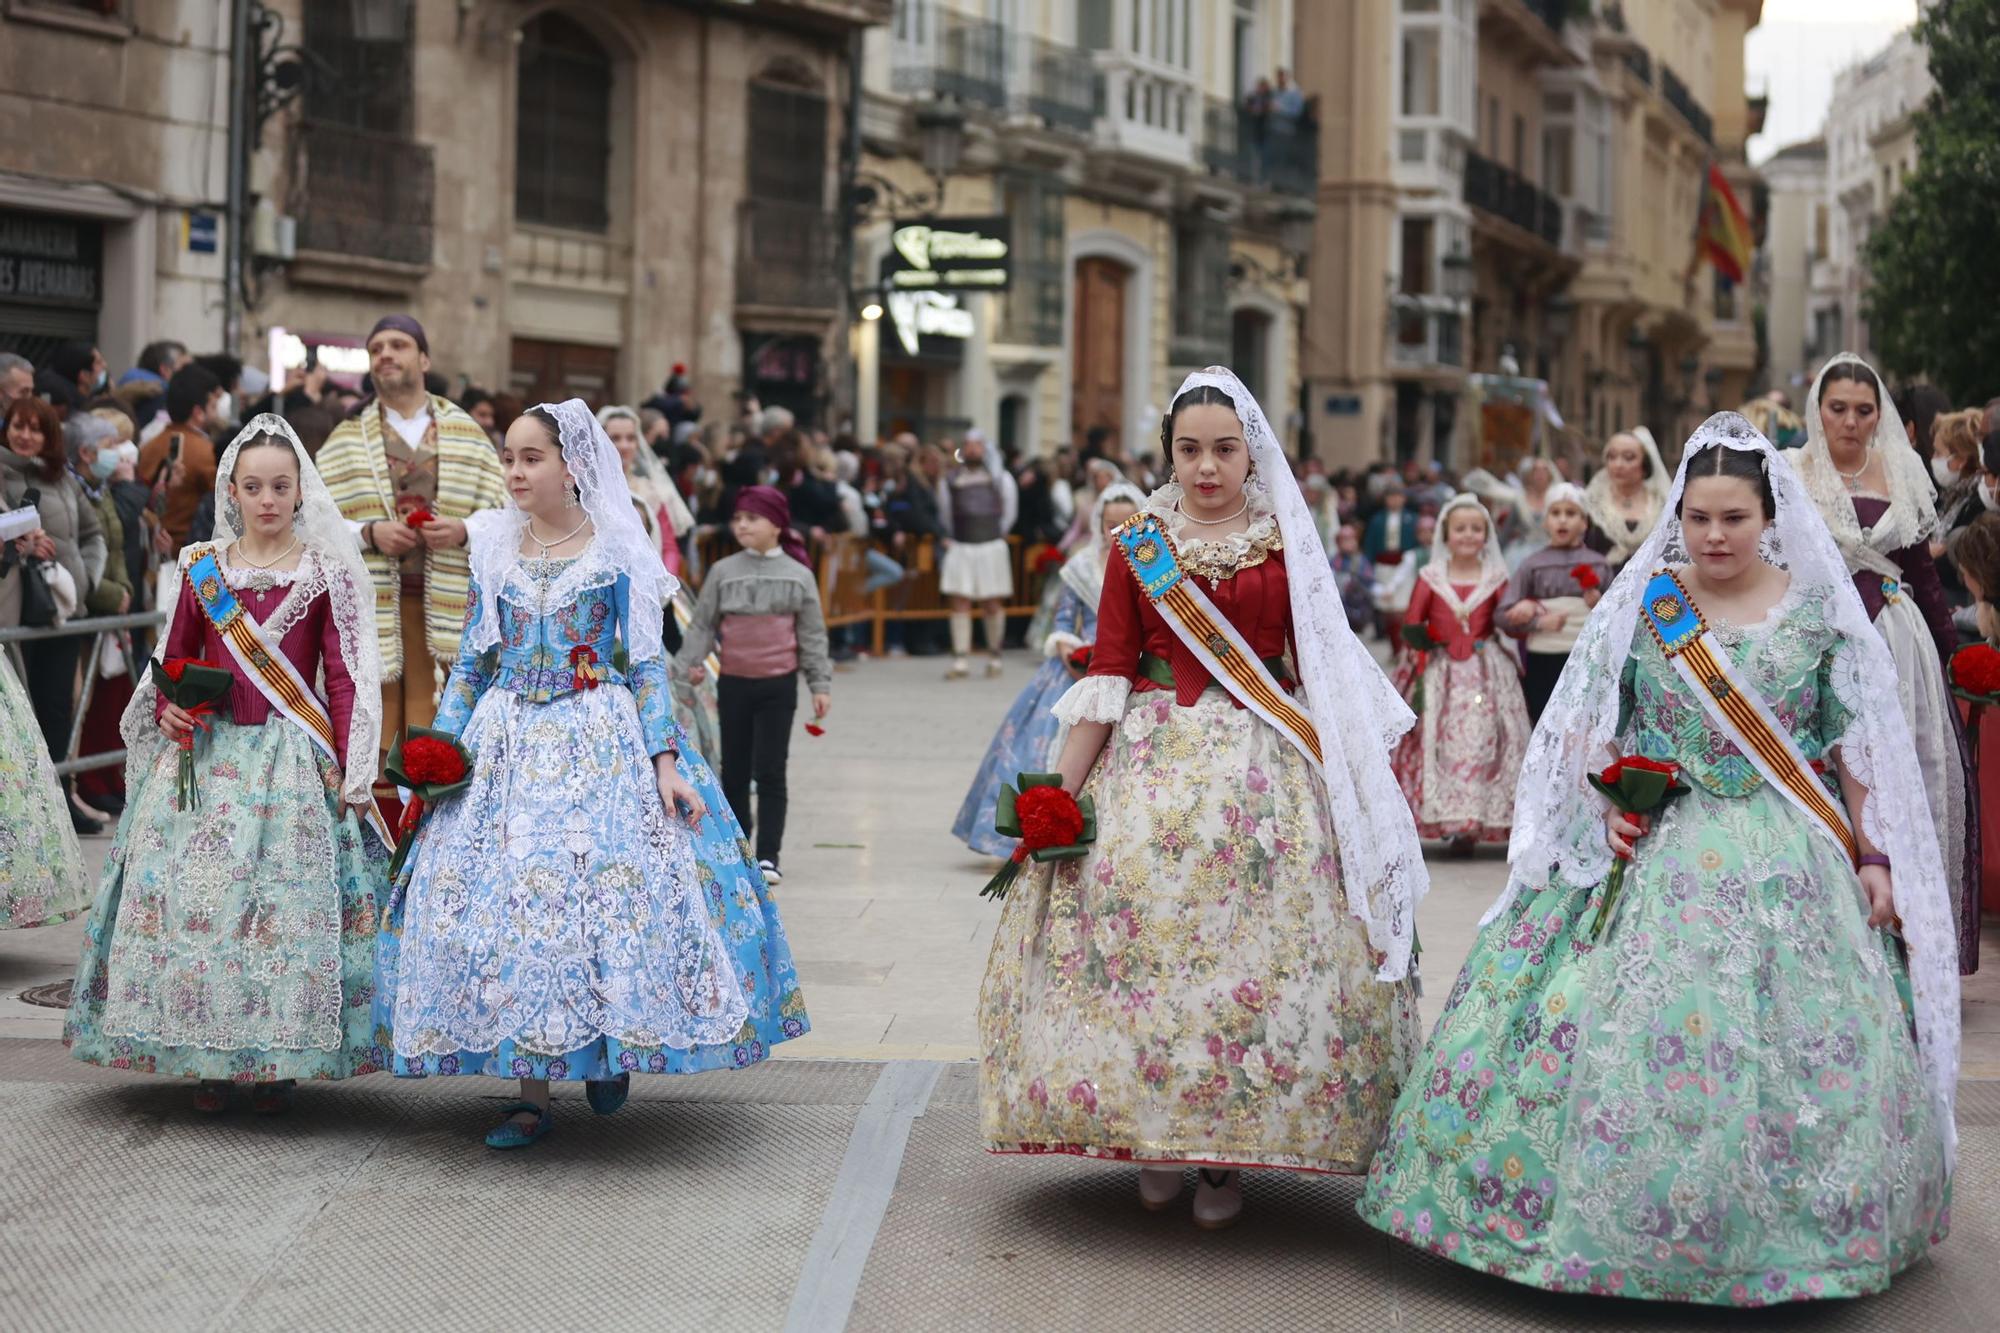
pixel 51 260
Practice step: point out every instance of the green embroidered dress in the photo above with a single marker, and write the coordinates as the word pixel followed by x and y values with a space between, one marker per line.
pixel 1720 1101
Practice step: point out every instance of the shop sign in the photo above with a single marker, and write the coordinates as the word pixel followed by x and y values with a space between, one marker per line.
pixel 51 260
pixel 930 324
pixel 950 254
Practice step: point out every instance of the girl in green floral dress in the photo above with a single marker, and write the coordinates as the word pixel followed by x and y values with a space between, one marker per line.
pixel 1739 1090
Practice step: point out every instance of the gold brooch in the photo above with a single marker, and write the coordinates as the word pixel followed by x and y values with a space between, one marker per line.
pixel 1218 645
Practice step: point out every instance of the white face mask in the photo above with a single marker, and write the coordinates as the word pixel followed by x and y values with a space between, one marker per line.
pixel 1989 494
pixel 225 408
pixel 1942 471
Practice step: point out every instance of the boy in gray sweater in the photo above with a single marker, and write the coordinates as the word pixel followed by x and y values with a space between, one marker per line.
pixel 759 608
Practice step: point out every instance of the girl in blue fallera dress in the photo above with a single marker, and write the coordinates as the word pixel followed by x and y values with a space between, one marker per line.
pixel 1028 732
pixel 587 908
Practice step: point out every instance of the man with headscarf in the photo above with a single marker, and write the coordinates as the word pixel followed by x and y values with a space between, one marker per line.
pixel 407 470
pixel 977 504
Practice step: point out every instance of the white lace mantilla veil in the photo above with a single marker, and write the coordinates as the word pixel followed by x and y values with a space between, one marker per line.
pixel 619 544
pixel 1558 820
pixel 1597 503
pixel 1492 564
pixel 333 565
pixel 1083 572
pixel 1912 512
pixel 1356 710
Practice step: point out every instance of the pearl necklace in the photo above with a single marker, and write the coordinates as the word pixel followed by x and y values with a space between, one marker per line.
pixel 1852 479
pixel 559 540
pixel 244 559
pixel 1213 522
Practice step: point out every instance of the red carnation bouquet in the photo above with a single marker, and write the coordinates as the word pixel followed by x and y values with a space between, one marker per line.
pixel 195 686
pixel 1975 674
pixel 1637 786
pixel 1050 557
pixel 1078 661
pixel 1051 824
pixel 432 765
pixel 1418 642
pixel 1586 577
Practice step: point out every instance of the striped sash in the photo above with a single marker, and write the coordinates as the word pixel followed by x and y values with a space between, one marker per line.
pixel 267 666
pixel 1209 635
pixel 1683 635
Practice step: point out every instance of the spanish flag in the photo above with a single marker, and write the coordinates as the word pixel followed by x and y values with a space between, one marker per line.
pixel 1725 231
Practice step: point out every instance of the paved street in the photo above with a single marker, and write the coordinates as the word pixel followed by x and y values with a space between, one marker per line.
pixel 839 1186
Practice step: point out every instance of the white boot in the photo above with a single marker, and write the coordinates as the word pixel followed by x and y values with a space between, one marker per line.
pixel 1159 1186
pixel 1218 1199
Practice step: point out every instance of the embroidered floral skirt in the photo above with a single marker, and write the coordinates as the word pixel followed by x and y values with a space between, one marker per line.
pixel 1458 765
pixel 699 712
pixel 1021 745
pixel 42 878
pixel 1719 1102
pixel 555 923
pixel 1195 988
pixel 234 940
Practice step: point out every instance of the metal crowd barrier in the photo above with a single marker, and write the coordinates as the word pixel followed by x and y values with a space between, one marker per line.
pixel 100 629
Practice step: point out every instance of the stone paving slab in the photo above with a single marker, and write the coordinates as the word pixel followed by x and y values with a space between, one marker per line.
pixel 708 1200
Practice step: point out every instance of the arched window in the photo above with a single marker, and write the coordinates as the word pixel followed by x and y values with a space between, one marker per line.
pixel 562 127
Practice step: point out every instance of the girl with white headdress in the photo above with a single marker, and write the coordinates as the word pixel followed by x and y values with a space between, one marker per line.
pixel 587 907
pixel 1551 593
pixel 233 942
pixel 1457 765
pixel 667 520
pixel 1224 979
pixel 1021 745
pixel 1625 497
pixel 1731 1082
pixel 1874 493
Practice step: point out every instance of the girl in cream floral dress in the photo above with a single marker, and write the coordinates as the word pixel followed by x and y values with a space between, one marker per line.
pixel 1222 981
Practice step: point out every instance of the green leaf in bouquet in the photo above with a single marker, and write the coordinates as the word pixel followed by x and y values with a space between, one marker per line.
pixel 1006 822
pixel 1418 636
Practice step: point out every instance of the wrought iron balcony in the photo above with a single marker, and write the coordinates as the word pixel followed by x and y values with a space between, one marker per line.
pixel 1680 99
pixel 363 194
pixel 1427 337
pixel 786 255
pixel 1508 195
pixel 1640 62
pixel 1058 83
pixel 1267 150
pixel 943 53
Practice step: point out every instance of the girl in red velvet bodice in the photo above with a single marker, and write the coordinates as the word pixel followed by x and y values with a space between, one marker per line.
pixel 1257 601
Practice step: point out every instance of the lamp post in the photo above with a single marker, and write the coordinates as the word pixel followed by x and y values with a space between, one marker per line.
pixel 940 142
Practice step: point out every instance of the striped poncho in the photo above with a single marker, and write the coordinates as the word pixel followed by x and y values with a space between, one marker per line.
pixel 355 468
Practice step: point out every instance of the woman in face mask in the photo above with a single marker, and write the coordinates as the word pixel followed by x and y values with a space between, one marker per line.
pixel 1955 468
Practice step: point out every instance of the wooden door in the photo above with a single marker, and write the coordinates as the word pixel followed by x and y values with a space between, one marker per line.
pixel 1097 367
pixel 548 372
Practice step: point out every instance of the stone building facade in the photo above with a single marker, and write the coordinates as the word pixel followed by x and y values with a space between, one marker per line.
pixel 113 171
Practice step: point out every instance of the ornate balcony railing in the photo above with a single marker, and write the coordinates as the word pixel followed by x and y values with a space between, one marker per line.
pixel 1507 194
pixel 1680 99
pixel 363 194
pixel 1268 150
pixel 944 53
pixel 786 255
pixel 1058 83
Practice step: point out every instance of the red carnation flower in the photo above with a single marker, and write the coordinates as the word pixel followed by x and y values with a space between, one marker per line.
pixel 176 666
pixel 1586 577
pixel 418 517
pixel 815 729
pixel 1050 558
pixel 1049 818
pixel 1976 670
pixel 427 760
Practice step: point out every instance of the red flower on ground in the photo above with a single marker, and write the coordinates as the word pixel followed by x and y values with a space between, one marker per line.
pixel 1586 577
pixel 815 729
pixel 1976 670
pixel 428 760
pixel 1049 817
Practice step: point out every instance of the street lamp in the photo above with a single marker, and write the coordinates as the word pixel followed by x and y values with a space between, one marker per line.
pixel 940 140
pixel 871 310
pixel 1458 276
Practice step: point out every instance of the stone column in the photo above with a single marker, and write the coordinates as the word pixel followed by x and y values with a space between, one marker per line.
pixel 1346 321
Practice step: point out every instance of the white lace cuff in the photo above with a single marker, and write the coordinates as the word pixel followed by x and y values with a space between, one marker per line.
pixel 1060 644
pixel 1093 699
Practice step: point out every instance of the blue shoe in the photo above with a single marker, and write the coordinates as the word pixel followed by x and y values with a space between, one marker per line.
pixel 607 1095
pixel 510 1133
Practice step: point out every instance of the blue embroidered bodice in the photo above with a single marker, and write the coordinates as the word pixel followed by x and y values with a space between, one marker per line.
pixel 559 649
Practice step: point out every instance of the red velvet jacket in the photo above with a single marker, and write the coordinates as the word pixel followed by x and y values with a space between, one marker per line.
pixel 1455 640
pixel 1257 601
